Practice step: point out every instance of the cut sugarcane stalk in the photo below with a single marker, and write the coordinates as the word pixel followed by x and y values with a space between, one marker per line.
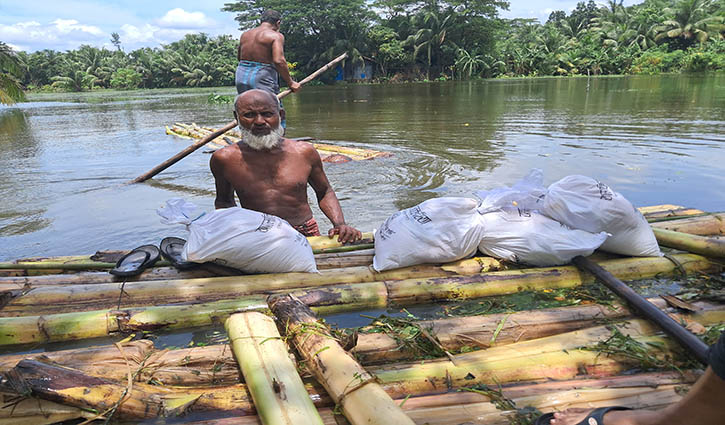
pixel 277 389
pixel 349 385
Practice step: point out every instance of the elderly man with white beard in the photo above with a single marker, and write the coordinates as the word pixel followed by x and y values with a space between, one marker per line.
pixel 269 173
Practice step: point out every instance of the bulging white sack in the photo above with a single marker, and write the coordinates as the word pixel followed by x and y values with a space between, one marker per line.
pixel 527 193
pixel 527 237
pixel 436 231
pixel 247 240
pixel 584 203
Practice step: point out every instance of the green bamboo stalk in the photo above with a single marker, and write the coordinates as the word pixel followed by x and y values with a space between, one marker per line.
pixel 337 298
pixel 277 389
pixel 710 247
pixel 362 400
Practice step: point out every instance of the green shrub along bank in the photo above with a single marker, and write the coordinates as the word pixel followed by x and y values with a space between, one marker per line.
pixel 409 40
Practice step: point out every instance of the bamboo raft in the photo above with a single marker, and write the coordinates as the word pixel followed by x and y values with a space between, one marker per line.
pixel 328 152
pixel 279 364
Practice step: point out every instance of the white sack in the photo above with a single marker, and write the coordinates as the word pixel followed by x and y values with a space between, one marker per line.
pixel 584 203
pixel 526 237
pixel 436 231
pixel 526 193
pixel 244 239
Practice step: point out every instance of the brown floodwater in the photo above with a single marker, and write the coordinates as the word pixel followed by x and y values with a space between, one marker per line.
pixel 64 157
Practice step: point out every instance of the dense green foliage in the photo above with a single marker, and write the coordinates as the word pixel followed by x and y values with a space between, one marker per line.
pixel 413 40
pixel 10 69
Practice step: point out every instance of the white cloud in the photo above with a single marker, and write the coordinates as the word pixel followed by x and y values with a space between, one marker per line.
pixel 180 19
pixel 66 26
pixel 132 34
pixel 59 34
pixel 150 35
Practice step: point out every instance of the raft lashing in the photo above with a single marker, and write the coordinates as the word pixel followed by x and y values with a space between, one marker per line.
pixel 280 364
pixel 328 152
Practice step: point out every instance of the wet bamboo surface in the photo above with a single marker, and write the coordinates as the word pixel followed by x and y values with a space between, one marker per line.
pixel 534 355
pixel 334 298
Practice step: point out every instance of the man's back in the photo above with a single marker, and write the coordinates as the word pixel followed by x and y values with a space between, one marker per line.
pixel 256 44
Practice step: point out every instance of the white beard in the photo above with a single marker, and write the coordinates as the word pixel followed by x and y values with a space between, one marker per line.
pixel 258 143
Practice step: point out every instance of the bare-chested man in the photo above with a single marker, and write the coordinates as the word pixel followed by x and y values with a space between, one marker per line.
pixel 270 173
pixel 261 57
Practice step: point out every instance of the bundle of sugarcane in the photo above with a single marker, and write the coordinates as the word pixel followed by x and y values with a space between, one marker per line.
pixel 325 300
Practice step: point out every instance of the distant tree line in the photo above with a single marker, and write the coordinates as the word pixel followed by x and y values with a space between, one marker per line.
pixel 407 40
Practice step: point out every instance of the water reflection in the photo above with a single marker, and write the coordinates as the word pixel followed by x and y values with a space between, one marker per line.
pixel 19 149
pixel 62 165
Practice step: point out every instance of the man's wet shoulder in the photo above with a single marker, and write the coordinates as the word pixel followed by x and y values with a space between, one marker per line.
pixel 299 147
pixel 227 153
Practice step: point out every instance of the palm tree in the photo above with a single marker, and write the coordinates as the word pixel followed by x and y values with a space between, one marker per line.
pixel 690 22
pixel 10 69
pixel 75 81
pixel 431 36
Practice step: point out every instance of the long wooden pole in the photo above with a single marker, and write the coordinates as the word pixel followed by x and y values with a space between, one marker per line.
pixel 647 309
pixel 179 156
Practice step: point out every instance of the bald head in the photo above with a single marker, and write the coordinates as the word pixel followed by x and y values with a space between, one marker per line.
pixel 256 97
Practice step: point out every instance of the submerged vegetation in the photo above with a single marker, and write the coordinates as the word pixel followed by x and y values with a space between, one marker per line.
pixel 404 40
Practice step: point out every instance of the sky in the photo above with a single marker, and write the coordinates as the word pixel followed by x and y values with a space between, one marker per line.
pixel 32 25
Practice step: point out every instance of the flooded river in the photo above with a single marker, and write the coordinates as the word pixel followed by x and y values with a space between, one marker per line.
pixel 64 158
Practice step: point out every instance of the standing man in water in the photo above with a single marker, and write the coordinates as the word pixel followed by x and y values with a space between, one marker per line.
pixel 270 173
pixel 261 57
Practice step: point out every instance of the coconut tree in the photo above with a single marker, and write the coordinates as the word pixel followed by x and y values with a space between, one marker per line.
pixel 10 70
pixel 75 80
pixel 690 21
pixel 431 35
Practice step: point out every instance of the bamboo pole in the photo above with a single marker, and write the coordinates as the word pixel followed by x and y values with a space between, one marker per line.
pixel 646 309
pixel 711 247
pixel 215 365
pixel 502 282
pixel 325 261
pixel 69 387
pixel 522 395
pixel 338 298
pixel 655 212
pixel 711 224
pixel 319 245
pixel 176 158
pixel 279 395
pixel 232 136
pixel 349 385
pixel 54 298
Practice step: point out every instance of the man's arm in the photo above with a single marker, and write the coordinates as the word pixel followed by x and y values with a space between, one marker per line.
pixel 224 189
pixel 239 48
pixel 328 201
pixel 280 63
